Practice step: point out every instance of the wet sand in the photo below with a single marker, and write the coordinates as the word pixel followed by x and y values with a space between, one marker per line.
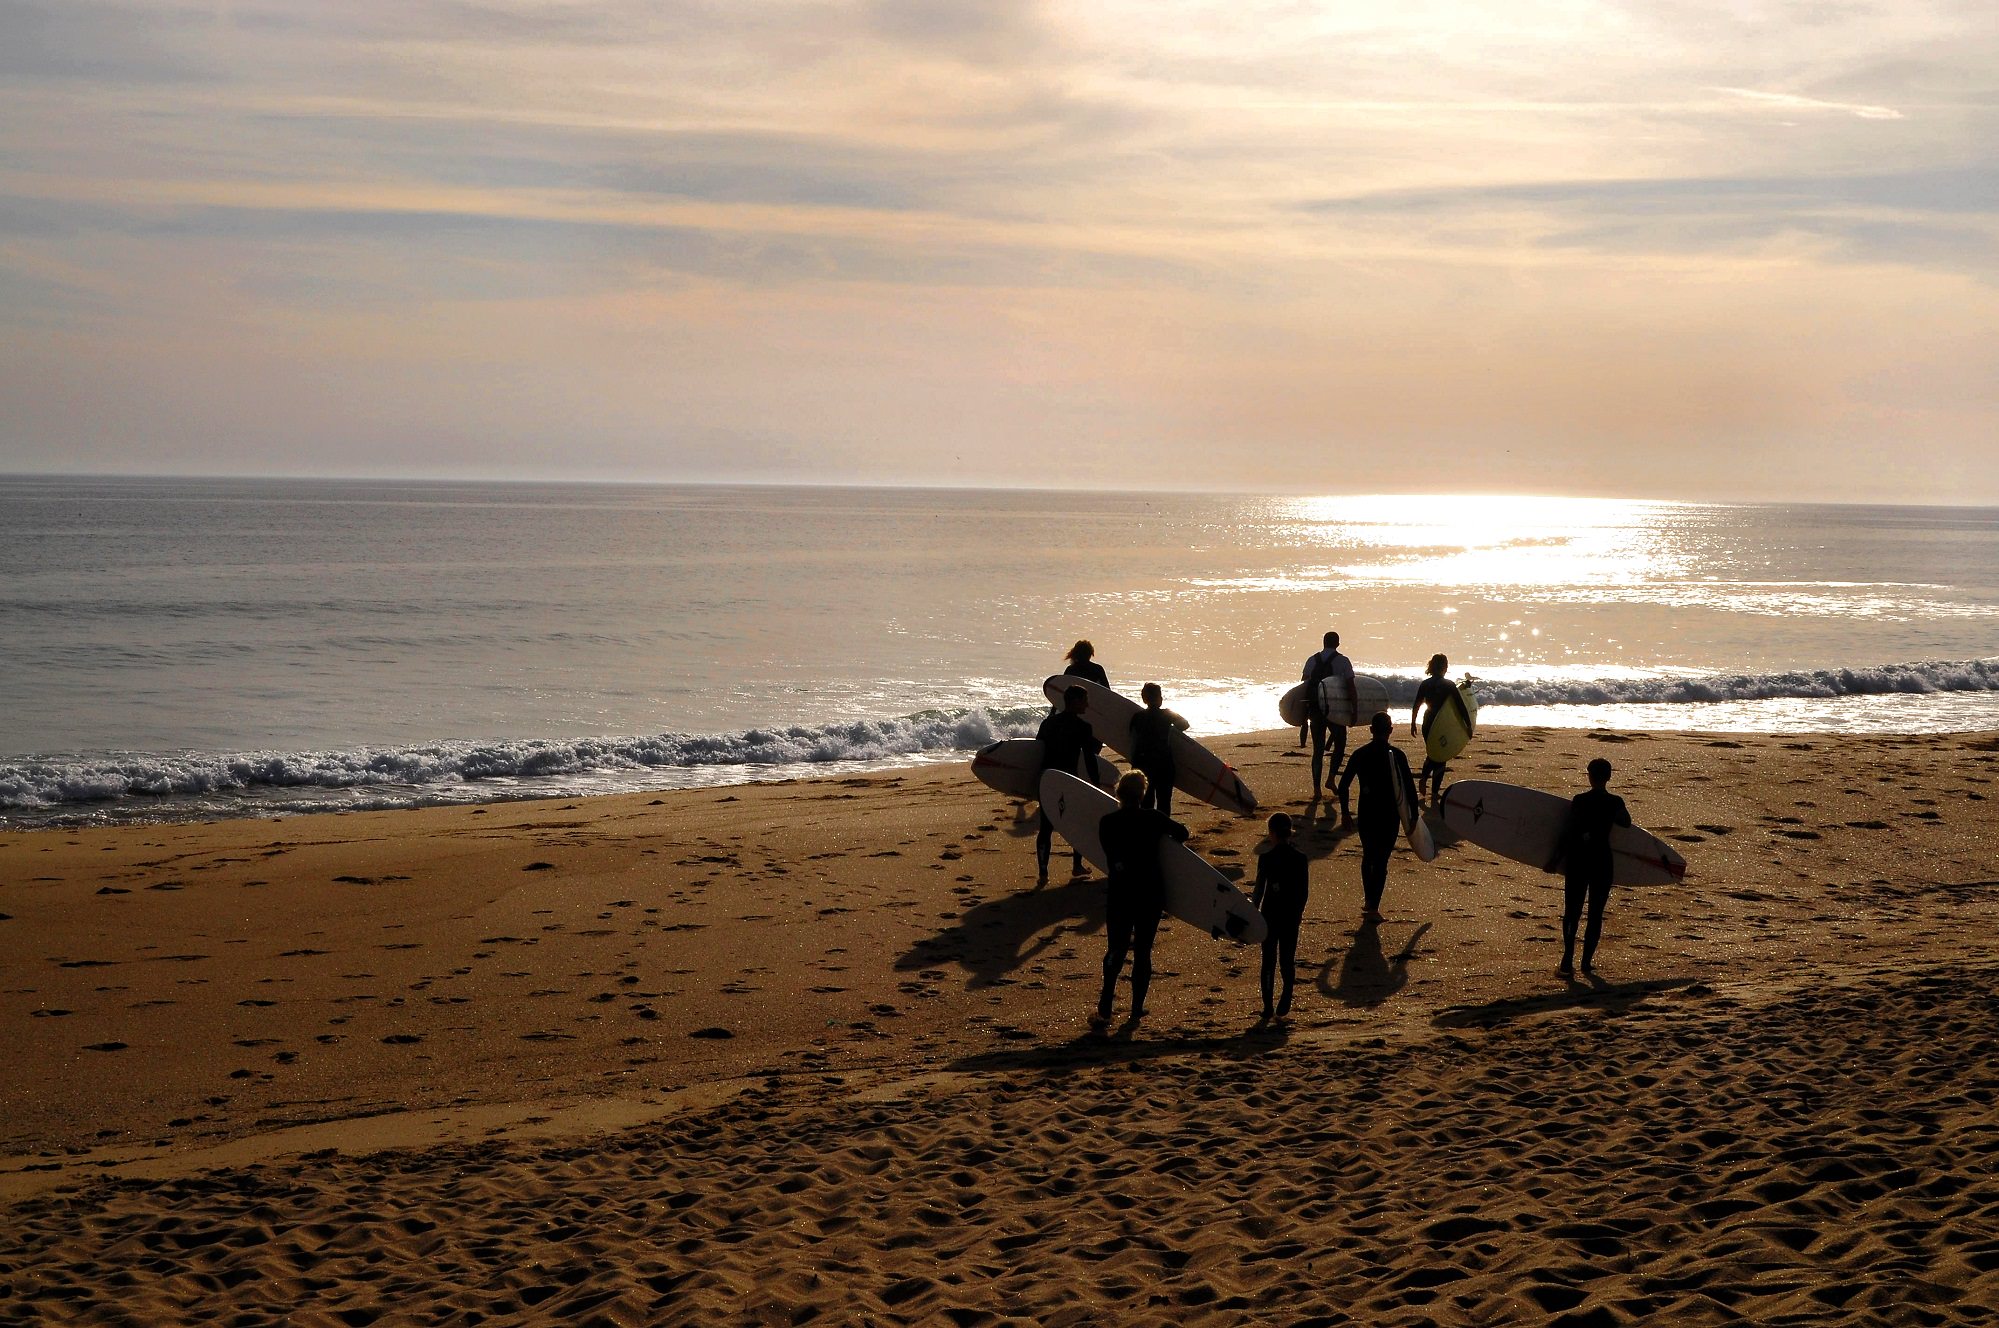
pixel 817 1052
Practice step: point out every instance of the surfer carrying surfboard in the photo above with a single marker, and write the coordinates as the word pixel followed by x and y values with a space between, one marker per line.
pixel 1586 863
pixel 1436 692
pixel 1327 663
pixel 1135 897
pixel 1152 731
pixel 1385 785
pixel 1068 744
pixel 1283 884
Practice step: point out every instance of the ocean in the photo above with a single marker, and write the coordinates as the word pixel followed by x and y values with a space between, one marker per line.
pixel 189 648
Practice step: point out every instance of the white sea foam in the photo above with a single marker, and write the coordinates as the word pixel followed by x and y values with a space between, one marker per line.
pixel 146 786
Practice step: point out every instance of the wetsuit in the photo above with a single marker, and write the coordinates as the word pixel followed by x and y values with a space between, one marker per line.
pixel 1283 882
pixel 1436 693
pixel 1328 663
pixel 1376 766
pixel 1134 898
pixel 1586 867
pixel 1152 753
pixel 1090 669
pixel 1068 743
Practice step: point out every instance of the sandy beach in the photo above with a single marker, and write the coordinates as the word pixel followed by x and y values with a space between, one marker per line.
pixel 817 1052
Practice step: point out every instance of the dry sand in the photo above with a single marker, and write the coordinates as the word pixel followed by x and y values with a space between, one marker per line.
pixel 816 1052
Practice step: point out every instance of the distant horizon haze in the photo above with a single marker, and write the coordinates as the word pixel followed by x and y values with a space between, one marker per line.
pixel 1705 251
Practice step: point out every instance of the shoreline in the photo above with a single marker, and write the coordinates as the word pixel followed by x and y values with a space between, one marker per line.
pixel 501 986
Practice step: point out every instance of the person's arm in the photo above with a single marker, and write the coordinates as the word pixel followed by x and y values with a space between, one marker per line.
pixel 1415 709
pixel 1176 721
pixel 1346 813
pixel 1408 781
pixel 1177 830
pixel 1619 812
pixel 1564 840
pixel 1262 879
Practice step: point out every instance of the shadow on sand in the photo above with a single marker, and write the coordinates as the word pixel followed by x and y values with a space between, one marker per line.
pixel 994 938
pixel 1122 1044
pixel 1368 975
pixel 1593 993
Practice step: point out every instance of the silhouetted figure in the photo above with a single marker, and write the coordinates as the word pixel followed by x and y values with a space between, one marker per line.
pixel 1283 882
pixel 1082 664
pixel 1435 692
pixel 1327 663
pixel 1068 744
pixel 1135 896
pixel 1377 766
pixel 1585 862
pixel 1152 732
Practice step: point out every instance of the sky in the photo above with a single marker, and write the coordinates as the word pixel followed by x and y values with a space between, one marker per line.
pixel 1739 251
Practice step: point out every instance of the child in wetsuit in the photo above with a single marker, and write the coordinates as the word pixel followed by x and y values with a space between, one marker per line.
pixel 1283 882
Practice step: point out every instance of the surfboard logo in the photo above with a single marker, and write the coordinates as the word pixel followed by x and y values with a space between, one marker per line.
pixel 1478 811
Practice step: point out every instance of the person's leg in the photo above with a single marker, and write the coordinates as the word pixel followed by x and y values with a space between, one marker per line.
pixel 1268 978
pixel 1338 742
pixel 1599 895
pixel 1431 771
pixel 1143 929
pixel 1117 944
pixel 1573 893
pixel 1044 841
pixel 1374 851
pixel 1319 727
pixel 1287 956
pixel 1161 781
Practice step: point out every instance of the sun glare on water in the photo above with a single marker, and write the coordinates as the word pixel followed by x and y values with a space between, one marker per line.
pixel 1504 540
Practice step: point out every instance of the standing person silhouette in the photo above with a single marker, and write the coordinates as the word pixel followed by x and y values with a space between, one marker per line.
pixel 1083 664
pixel 1585 861
pixel 1435 692
pixel 1283 882
pixel 1135 896
pixel 1378 765
pixel 1152 732
pixel 1067 744
pixel 1328 662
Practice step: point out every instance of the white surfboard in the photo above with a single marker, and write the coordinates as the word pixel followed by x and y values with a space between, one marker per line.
pixel 1343 706
pixel 1197 772
pixel 1195 892
pixel 1414 829
pixel 1525 825
pixel 1013 766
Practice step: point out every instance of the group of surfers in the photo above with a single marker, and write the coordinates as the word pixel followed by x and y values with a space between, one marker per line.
pixel 1131 835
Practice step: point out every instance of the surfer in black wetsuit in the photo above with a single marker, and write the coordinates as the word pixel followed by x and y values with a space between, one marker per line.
pixel 1136 894
pixel 1436 692
pixel 1379 766
pixel 1067 744
pixel 1585 863
pixel 1152 732
pixel 1283 880
pixel 1328 663
pixel 1083 664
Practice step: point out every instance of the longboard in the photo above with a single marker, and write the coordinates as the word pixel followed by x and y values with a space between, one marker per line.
pixel 1456 721
pixel 1342 706
pixel 1195 892
pixel 1525 825
pixel 1013 766
pixel 1197 772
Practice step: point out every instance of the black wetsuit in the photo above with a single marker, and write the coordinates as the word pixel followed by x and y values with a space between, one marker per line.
pixel 1134 898
pixel 1376 766
pixel 1586 867
pixel 1090 669
pixel 1436 693
pixel 1328 663
pixel 1283 883
pixel 1152 753
pixel 1067 743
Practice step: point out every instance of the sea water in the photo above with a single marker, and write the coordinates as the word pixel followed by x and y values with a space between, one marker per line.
pixel 184 648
